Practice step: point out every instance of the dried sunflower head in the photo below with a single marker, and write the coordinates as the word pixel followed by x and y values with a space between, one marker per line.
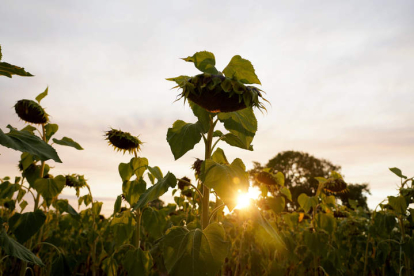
pixel 75 181
pixel 182 184
pixel 266 178
pixel 335 184
pixel 225 91
pixel 31 112
pixel 123 141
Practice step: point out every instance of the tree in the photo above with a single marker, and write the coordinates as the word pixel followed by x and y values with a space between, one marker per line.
pixel 300 170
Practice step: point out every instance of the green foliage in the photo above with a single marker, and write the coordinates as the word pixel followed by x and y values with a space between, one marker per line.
pixel 195 252
pixel 154 192
pixel 8 70
pixel 65 141
pixel 137 262
pixel 15 249
pixel 24 226
pixel 182 137
pixel 25 142
pixel 225 179
pixel 242 70
pixel 242 125
pixel 203 61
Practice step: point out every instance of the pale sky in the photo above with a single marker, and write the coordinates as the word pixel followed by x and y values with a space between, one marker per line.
pixel 339 76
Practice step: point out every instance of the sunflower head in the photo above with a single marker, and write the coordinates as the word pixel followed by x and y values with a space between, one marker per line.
pixel 75 181
pixel 123 141
pixel 335 184
pixel 266 178
pixel 31 112
pixel 183 184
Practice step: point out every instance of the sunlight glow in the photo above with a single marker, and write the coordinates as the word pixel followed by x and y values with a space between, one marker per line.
pixel 243 200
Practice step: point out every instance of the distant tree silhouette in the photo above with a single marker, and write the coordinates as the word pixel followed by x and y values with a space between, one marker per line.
pixel 300 170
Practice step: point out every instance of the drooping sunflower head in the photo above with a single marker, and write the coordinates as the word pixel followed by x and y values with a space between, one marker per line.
pixel 123 141
pixel 31 112
pixel 335 184
pixel 266 178
pixel 75 181
pixel 227 91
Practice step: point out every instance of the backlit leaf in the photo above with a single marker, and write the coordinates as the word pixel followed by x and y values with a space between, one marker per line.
pixel 195 252
pixel 204 61
pixel 137 262
pixel 226 180
pixel 182 137
pixel 242 124
pixel 50 129
pixel 307 202
pixel 242 70
pixel 157 190
pixel 42 95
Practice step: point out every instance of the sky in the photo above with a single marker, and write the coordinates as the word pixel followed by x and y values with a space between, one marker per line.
pixel 338 75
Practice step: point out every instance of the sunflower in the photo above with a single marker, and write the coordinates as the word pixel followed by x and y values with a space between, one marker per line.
pixel 221 92
pixel 31 112
pixel 123 141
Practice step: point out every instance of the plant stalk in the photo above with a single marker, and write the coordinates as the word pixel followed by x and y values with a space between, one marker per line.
pixel 206 190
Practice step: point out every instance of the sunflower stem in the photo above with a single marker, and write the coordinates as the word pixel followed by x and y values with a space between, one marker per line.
pixel 206 190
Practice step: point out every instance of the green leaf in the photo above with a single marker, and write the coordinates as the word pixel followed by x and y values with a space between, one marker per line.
pixel 182 137
pixel 286 192
pixel 25 142
pixel 87 199
pixel 137 262
pixel 226 180
pixel 217 133
pixel 50 129
pixel 195 252
pixel 117 205
pixel 203 61
pixel 137 166
pixel 50 187
pixel 157 190
pixel 65 141
pixel 326 221
pixel 156 172
pixel 235 141
pixel 154 222
pixel 42 95
pixel 277 204
pixel 242 124
pixel 280 179
pixel 265 231
pixel 242 70
pixel 202 115
pixel 7 69
pixel 219 157
pixel 398 172
pixel 7 189
pixel 398 204
pixel 123 226
pixel 63 206
pixel 307 202
pixel 15 249
pixel 133 189
pixel 110 266
pixel 23 205
pixel 26 225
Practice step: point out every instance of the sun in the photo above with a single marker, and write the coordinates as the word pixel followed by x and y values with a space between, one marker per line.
pixel 244 199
